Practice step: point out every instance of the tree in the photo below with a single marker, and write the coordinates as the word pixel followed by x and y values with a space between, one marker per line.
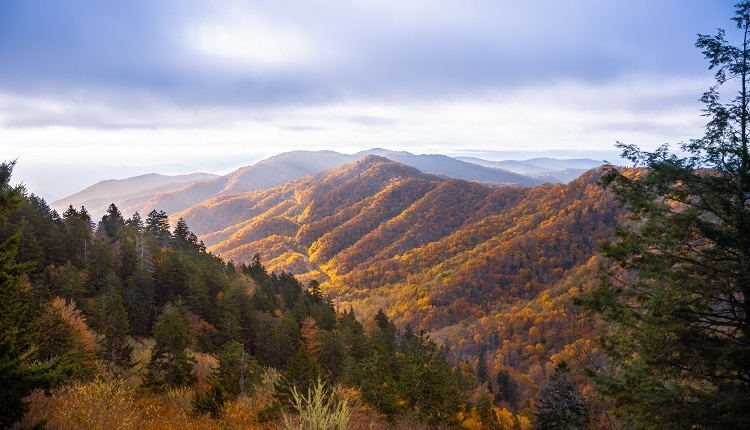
pixel 238 371
pixel 184 239
pixel 427 381
pixel 139 302
pixel 157 225
pixel 483 374
pixel 111 222
pixel 17 336
pixel 560 405
pixel 170 362
pixel 77 226
pixel 676 297
pixel 111 321
pixel 507 388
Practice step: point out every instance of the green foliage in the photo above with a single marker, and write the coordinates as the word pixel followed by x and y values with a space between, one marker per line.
pixel 76 231
pixel 111 321
pixel 62 346
pixel 560 405
pixel 170 361
pixel 301 373
pixel 427 382
pixel 18 332
pixel 157 225
pixel 238 371
pixel 675 301
pixel 111 223
pixel 140 302
pixel 507 388
pixel 212 400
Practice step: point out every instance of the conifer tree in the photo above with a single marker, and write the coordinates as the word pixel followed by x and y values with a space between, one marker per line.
pixel 111 321
pixel 17 377
pixel 676 299
pixel 157 225
pixel 170 362
pixel 560 405
pixel 111 223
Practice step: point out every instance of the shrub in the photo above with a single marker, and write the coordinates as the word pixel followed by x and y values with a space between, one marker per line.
pixel 318 410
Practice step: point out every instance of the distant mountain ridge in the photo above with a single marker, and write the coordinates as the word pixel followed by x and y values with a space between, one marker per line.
pixel 145 193
pixel 553 169
pixel 101 194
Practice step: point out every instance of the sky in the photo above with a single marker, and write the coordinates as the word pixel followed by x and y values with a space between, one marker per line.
pixel 91 90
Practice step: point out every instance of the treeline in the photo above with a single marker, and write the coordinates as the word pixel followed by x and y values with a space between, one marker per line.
pixel 137 301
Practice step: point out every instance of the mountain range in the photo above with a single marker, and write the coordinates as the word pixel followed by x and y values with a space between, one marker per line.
pixel 493 263
pixel 176 193
pixel 470 263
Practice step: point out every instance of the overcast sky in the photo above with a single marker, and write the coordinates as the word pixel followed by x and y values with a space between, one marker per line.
pixel 186 85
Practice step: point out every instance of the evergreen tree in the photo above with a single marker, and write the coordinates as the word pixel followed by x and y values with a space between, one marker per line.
pixel 77 227
pixel 676 301
pixel 99 265
pixel 302 372
pixel 139 302
pixel 111 321
pixel 238 371
pixel 17 336
pixel 483 374
pixel 62 343
pixel 385 334
pixel 157 225
pixel 170 362
pixel 507 388
pixel 111 223
pixel 428 382
pixel 184 239
pixel 560 405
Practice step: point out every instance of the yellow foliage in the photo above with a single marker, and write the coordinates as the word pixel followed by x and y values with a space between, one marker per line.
pixel 99 404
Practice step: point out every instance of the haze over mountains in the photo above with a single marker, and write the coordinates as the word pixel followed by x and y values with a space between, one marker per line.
pixel 177 193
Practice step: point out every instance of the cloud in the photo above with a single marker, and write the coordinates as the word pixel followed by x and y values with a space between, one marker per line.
pixel 196 81
pixel 293 52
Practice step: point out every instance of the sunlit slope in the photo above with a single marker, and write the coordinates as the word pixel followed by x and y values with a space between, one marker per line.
pixel 376 229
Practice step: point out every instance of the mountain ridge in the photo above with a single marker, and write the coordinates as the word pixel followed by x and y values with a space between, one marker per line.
pixel 285 167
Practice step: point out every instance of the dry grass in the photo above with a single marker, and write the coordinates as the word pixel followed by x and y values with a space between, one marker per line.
pixel 118 404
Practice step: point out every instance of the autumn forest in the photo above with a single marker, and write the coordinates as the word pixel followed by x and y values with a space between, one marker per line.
pixel 374 295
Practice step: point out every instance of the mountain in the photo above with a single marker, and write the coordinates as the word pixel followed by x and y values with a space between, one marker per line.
pixel 457 168
pixel 97 197
pixel 460 259
pixel 139 195
pixel 490 271
pixel 264 174
pixel 542 168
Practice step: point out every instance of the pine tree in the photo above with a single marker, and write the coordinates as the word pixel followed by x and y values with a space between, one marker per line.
pixel 238 371
pixel 111 223
pixel 77 229
pixel 111 321
pixel 17 377
pixel 507 388
pixel 560 405
pixel 676 299
pixel 157 225
pixel 170 361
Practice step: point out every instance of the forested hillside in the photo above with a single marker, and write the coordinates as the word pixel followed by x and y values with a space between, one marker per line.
pixel 490 271
pixel 421 275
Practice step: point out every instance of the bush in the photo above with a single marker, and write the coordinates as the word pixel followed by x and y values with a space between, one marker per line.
pixel 318 410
